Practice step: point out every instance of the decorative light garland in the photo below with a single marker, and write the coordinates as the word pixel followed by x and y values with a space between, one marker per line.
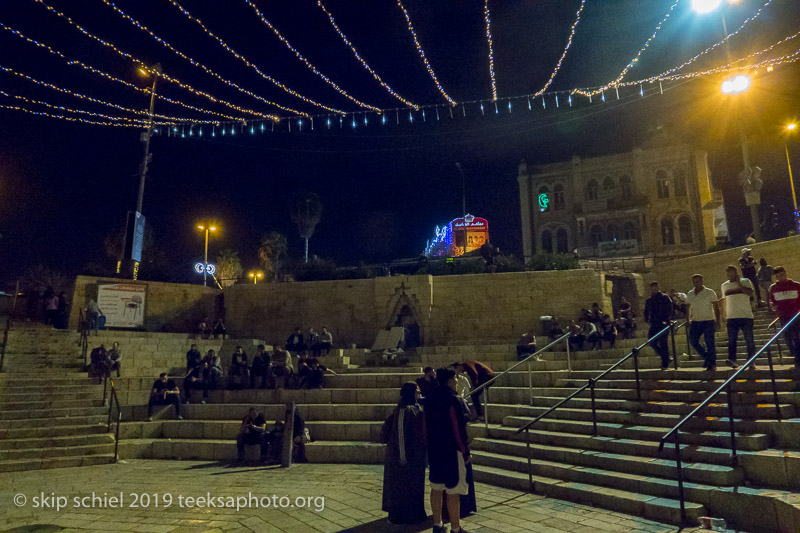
pixel 422 54
pixel 161 74
pixel 718 43
pixel 297 54
pixel 566 49
pixel 633 61
pixel 360 60
pixel 488 19
pixel 71 119
pixel 73 62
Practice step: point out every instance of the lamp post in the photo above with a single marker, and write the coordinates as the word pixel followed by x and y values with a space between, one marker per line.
pixel 155 71
pixel 463 203
pixel 207 228
pixel 256 275
pixel 791 128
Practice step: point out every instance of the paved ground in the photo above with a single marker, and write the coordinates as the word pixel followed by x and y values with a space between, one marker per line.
pixel 337 498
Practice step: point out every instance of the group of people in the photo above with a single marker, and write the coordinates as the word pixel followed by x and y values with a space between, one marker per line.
pixel 428 429
pixel 313 343
pixel 253 431
pixel 102 361
pixel 705 310
pixel 207 328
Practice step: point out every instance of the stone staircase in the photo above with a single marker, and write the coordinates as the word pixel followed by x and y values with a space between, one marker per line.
pixel 51 414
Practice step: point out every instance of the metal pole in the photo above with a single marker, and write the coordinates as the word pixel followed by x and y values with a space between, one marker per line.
pixel 791 179
pixel 594 411
pixel 680 477
pixel 674 349
pixel 463 203
pixel 530 383
pixel 288 436
pixel 486 411
pixel 530 467
pixel 569 359
pixel 205 261
pixel 636 373
pixel 733 429
pixel 146 139
pixel 774 385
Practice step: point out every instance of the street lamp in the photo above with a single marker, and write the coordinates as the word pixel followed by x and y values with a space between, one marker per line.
pixel 463 203
pixel 145 137
pixel 207 228
pixel 791 128
pixel 256 275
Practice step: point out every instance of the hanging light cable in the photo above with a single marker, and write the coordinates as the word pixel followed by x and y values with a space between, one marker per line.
pixel 488 20
pixel 564 53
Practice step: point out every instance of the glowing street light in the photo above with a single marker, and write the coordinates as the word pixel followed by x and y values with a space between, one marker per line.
pixel 736 84
pixel 256 275
pixel 705 6
pixel 207 228
pixel 791 128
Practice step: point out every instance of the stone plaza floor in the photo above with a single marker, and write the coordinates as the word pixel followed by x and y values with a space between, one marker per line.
pixel 134 496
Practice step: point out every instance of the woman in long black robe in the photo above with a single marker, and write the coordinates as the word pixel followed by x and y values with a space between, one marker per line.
pixel 405 461
pixel 468 502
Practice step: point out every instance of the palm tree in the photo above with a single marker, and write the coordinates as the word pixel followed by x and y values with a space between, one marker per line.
pixel 229 267
pixel 273 248
pixel 306 215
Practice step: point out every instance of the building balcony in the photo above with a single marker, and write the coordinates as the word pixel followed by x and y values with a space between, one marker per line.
pixel 636 200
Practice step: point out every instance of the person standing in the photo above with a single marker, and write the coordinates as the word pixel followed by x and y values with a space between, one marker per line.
pixel 478 374
pixel 50 308
pixel 325 341
pixel 427 382
pixel 748 265
pixel 405 460
pixel 658 313
pixel 785 296
pixel 93 313
pixel 765 273
pixel 703 315
pixel 448 450
pixel 736 294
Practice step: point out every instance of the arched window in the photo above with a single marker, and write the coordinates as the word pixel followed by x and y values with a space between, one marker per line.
pixel 547 241
pixel 596 233
pixel 679 182
pixel 662 184
pixel 667 231
pixel 626 187
pixel 629 231
pixel 558 197
pixel 544 198
pixel 562 241
pixel 609 184
pixel 685 229
pixel 611 232
pixel 591 190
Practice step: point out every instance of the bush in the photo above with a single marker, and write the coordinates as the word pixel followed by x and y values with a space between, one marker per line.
pixel 554 262
pixel 509 263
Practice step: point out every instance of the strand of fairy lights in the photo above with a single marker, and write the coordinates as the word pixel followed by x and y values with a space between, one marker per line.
pixel 361 60
pixel 195 63
pixel 715 45
pixel 162 75
pixel 564 53
pixel 487 18
pixel 71 119
pixel 421 53
pixel 635 59
pixel 103 102
pixel 73 62
pixel 297 54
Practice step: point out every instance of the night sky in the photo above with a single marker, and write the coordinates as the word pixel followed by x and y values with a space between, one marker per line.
pixel 65 186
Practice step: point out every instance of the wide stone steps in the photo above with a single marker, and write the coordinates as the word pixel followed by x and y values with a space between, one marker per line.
pixel 310 412
pixel 661 509
pixel 99 417
pixel 68 461
pixel 9 444
pixel 703 385
pixel 47 414
pixel 39 432
pixel 354 431
pixel 38 405
pixel 55 395
pixel 58 451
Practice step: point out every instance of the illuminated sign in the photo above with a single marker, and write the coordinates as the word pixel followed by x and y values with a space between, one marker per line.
pixel 469 232
pixel 544 201
pixel 200 267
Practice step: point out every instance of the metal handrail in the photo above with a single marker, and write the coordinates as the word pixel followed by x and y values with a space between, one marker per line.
pixel 772 325
pixel 112 400
pixel 674 433
pixel 592 381
pixel 484 386
pixel 83 341
pixel 5 343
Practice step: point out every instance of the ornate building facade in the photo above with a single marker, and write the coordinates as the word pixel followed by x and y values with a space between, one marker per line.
pixel 655 202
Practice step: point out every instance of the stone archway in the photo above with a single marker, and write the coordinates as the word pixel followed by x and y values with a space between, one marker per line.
pixel 405 313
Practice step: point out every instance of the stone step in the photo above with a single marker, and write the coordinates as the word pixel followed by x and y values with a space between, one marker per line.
pixel 35 396
pixel 703 385
pixel 661 509
pixel 48 414
pixel 39 405
pixel 350 430
pixel 40 463
pixel 55 421
pixel 45 432
pixel 9 444
pixel 310 412
pixel 64 451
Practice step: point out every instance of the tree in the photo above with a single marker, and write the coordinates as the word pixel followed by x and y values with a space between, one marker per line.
pixel 229 267
pixel 272 250
pixel 306 215
pixel 41 277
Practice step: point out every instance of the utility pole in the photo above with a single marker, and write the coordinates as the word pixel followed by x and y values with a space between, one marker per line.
pixel 463 203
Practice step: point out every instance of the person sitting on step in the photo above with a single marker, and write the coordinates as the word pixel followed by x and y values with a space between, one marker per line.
pixel 260 368
pixel 526 345
pixel 576 336
pixel 115 359
pixel 194 380
pixel 164 392
pixel 295 343
pixel 316 374
pixel 212 370
pixel 325 341
pixel 99 363
pixel 193 357
pixel 608 331
pixel 239 369
pixel 282 369
pixel 252 431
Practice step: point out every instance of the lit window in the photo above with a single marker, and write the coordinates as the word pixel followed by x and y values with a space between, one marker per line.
pixel 662 184
pixel 667 231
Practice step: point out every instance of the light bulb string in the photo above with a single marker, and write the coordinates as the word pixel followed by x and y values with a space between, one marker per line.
pixel 487 17
pixel 564 53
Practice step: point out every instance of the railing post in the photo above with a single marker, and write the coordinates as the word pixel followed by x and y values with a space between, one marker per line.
pixel 105 384
pixel 774 385
pixel 116 436
pixel 635 352
pixel 674 349
pixel 688 344
pixel 734 458
pixel 594 411
pixel 530 384
pixel 486 410
pixel 569 358
pixel 780 352
pixel 528 448
pixel 680 476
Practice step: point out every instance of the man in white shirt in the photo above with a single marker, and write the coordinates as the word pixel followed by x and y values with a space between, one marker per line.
pixel 703 315
pixel 736 293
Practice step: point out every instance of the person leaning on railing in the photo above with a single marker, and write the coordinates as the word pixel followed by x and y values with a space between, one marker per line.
pixel 784 294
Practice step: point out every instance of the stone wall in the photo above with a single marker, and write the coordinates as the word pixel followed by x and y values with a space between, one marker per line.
pixel 678 273
pixel 447 309
pixel 175 307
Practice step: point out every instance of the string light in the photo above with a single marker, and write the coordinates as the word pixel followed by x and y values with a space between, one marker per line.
pixel 299 56
pixel 76 111
pixel 177 52
pixel 564 53
pixel 635 59
pixel 73 62
pixel 487 18
pixel 421 53
pixel 360 60
pixel 71 119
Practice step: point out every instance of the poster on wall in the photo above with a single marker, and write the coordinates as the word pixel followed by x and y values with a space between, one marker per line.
pixel 122 304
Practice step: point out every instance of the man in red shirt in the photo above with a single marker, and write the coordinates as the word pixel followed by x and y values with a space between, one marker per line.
pixel 785 296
